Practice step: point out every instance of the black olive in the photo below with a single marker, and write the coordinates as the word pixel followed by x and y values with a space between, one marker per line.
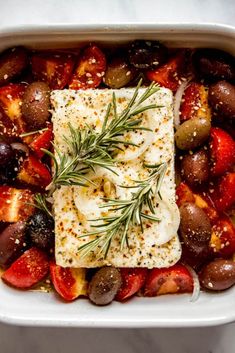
pixel 40 228
pixel 147 54
pixel 6 153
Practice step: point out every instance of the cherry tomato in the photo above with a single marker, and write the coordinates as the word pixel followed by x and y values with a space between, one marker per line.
pixel 90 69
pixel 132 281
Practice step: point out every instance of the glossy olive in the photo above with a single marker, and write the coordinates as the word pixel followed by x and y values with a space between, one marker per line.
pixel 104 285
pixel 36 104
pixel 12 62
pixel 218 275
pixel 40 228
pixel 6 153
pixel 222 98
pixel 195 168
pixel 147 54
pixel 192 133
pixel 195 227
pixel 118 73
pixel 12 242
pixel 214 64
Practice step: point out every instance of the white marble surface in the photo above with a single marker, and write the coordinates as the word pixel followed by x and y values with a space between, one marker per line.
pixel 39 340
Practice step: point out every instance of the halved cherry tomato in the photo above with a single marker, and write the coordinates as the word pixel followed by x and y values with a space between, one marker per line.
pixel 29 269
pixel 203 202
pixel 54 69
pixel 90 69
pixel 42 140
pixel 222 151
pixel 184 194
pixel 15 204
pixel 223 237
pixel 175 279
pixel 195 102
pixel 70 283
pixel 223 192
pixel 8 130
pixel 34 172
pixel 11 100
pixel 133 280
pixel 168 75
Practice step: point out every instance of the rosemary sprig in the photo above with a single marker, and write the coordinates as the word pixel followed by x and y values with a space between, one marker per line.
pixel 40 202
pixel 25 134
pixel 129 213
pixel 87 148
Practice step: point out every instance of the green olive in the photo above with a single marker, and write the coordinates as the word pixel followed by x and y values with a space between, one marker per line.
pixel 192 133
pixel 118 73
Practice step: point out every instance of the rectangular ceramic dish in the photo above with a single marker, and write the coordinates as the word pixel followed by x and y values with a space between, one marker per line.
pixel 35 308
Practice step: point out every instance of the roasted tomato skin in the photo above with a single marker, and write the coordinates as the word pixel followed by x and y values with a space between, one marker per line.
pixel 184 194
pixel 175 279
pixel 53 68
pixel 223 192
pixel 133 280
pixel 223 237
pixel 168 75
pixel 29 269
pixel 222 151
pixel 15 204
pixel 89 70
pixel 34 172
pixel 11 100
pixel 195 102
pixel 42 140
pixel 69 283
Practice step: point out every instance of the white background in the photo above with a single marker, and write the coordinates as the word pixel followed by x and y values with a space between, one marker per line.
pixel 40 340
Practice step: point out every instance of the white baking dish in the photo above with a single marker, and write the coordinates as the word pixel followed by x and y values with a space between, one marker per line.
pixel 35 308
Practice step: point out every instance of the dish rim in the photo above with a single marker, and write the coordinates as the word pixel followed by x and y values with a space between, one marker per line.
pixel 103 29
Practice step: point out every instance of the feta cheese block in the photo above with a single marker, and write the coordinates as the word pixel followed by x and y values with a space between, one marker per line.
pixel 77 207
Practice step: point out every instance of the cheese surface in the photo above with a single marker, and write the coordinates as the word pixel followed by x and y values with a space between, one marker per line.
pixel 74 206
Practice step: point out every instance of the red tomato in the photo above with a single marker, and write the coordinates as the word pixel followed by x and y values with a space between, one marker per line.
pixel 175 279
pixel 90 69
pixel 29 269
pixel 34 172
pixel 54 69
pixel 223 195
pixel 195 102
pixel 168 75
pixel 70 283
pixel 222 151
pixel 42 140
pixel 184 194
pixel 11 100
pixel 132 281
pixel 205 203
pixel 15 204
pixel 223 237
pixel 8 129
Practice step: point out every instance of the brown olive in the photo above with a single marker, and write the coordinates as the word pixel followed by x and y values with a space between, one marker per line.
pixel 118 73
pixel 12 242
pixel 218 275
pixel 222 98
pixel 147 54
pixel 12 62
pixel 104 285
pixel 195 227
pixel 192 133
pixel 36 104
pixel 214 64
pixel 195 168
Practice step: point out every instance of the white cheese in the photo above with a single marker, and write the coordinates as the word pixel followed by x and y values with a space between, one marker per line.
pixel 158 245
